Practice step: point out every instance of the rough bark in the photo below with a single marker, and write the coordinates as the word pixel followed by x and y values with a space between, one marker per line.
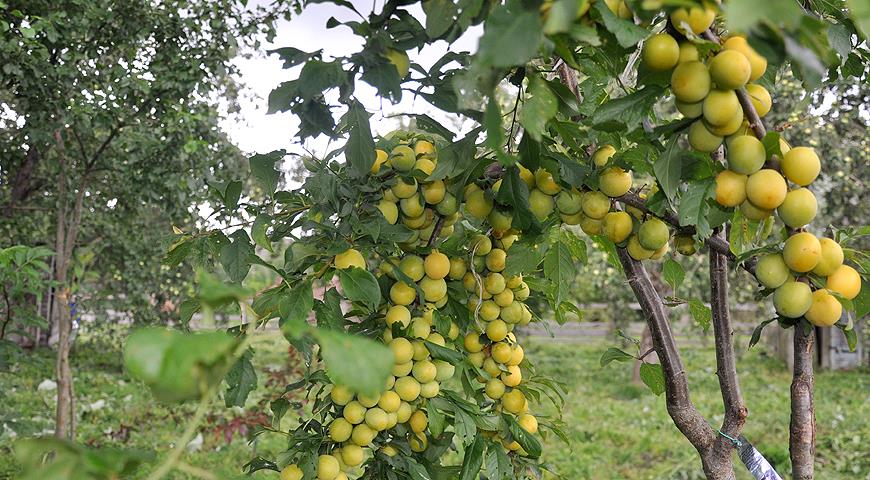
pixel 802 428
pixel 726 365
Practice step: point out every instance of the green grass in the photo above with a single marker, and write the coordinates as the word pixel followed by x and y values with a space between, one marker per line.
pixel 618 430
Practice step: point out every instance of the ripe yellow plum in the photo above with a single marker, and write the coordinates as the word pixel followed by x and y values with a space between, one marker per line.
pixel 754 213
pixel 327 467
pixel 660 52
pixel 846 281
pixel 831 258
pixel 603 155
pixel 569 201
pixel 825 309
pixel 802 252
pixel 701 139
pixel 617 226
pixel 436 265
pixel 758 64
pixel 349 258
pixel 799 208
pixel 793 299
pixel 595 205
pixel 690 110
pixel 766 189
pixel 760 98
pixel 730 188
pixel 730 69
pixel 801 165
pixel 697 19
pixel 614 182
pixel 746 154
pixel 690 82
pixel 720 107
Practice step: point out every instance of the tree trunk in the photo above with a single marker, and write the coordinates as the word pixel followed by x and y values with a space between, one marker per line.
pixel 802 429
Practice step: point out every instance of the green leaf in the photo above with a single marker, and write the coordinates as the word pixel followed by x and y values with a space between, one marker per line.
pixel 701 313
pixel 258 231
pixel 344 354
pixel 234 256
pixel 614 354
pixel 241 380
pixel 653 377
pixel 494 131
pixel 511 36
pixel 859 10
pixel 144 351
pixel 443 353
pixel 360 285
pixel 232 193
pixel 673 273
pixel 627 33
pixel 668 169
pixel 538 109
pixel 743 15
pixel 360 148
pixel 524 258
pixel 562 15
pixel 214 293
pixel 191 364
pixel 473 459
pixel 440 15
pixel 626 112
pixel 515 193
pixel 295 308
pixel 263 170
pixel 318 76
pixel 559 270
pixel 756 333
pixel 694 208
pixel 526 440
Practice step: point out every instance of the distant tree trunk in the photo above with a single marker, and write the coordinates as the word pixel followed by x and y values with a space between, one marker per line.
pixel 67 232
pixel 802 429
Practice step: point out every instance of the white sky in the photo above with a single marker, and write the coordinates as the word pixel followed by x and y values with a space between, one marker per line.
pixel 256 132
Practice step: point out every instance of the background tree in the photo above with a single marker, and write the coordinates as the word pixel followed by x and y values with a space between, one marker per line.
pixel 111 135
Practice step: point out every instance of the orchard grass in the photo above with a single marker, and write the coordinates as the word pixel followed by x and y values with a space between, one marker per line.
pixel 618 429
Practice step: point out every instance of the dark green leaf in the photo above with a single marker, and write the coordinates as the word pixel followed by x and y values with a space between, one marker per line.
pixel 241 380
pixel 538 109
pixel 614 354
pixel 258 231
pixel 756 333
pixel 360 148
pixel 627 33
pixel 653 377
pixel 511 36
pixel 295 308
pixel 360 285
pixel 668 169
pixel 473 459
pixel 263 170
pixel 694 208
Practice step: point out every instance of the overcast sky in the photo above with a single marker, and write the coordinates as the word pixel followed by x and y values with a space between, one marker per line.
pixel 256 132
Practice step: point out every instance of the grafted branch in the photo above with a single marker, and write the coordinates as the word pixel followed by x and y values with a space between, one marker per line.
pixel 726 366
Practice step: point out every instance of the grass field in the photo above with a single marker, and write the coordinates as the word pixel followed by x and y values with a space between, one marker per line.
pixel 618 430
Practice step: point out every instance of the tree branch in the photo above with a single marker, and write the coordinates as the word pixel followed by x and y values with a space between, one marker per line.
pixel 679 404
pixel 726 366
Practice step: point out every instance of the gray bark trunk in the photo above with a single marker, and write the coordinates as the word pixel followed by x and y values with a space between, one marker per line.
pixel 802 428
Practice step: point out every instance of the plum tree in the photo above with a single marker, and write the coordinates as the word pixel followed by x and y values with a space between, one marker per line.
pixel 466 228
